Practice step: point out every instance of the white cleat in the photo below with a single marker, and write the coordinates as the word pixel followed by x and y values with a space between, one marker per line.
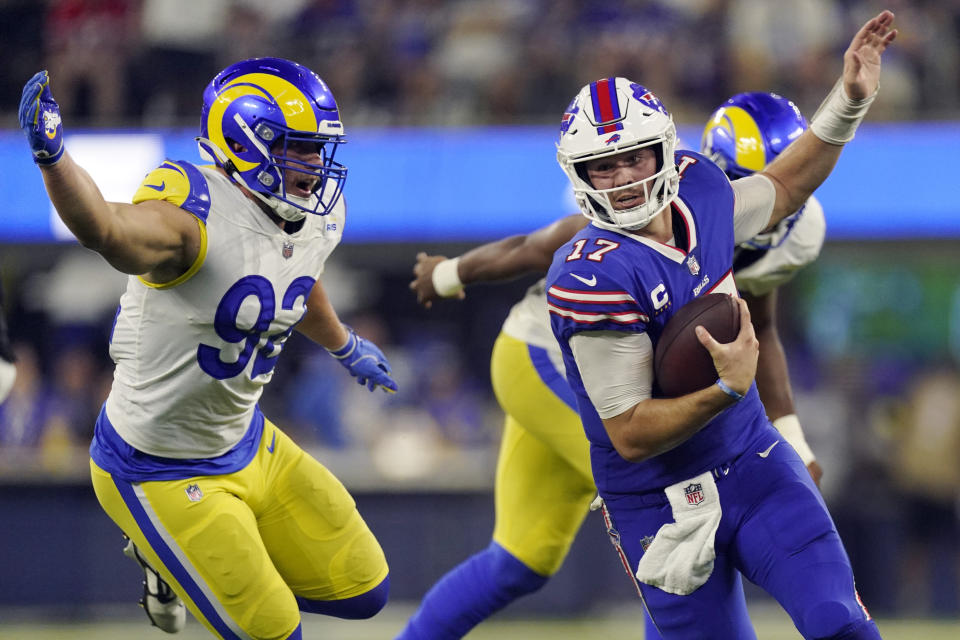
pixel 163 607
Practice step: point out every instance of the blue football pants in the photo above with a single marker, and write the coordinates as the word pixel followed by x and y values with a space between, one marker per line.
pixel 776 531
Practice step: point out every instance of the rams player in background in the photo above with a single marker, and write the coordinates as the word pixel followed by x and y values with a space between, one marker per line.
pixel 536 521
pixel 748 131
pixel 223 511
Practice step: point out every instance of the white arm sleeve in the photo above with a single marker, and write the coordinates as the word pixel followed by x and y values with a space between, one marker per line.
pixel 616 369
pixel 754 197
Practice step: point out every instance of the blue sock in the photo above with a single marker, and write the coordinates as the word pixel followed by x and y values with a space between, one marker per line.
pixel 297 633
pixel 365 605
pixel 469 593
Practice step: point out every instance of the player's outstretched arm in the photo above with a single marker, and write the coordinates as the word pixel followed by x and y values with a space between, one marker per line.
pixel 156 239
pixel 363 359
pixel 440 277
pixel 805 164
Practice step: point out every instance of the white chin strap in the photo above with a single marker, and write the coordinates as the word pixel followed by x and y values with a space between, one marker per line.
pixel 632 219
pixel 659 191
pixel 616 225
pixel 286 210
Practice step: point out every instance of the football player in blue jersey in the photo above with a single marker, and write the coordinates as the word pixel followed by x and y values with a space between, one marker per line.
pixel 542 437
pixel 536 521
pixel 694 490
pixel 223 511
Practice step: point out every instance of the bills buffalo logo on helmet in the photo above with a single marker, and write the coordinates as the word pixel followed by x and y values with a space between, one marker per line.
pixel 568 116
pixel 647 98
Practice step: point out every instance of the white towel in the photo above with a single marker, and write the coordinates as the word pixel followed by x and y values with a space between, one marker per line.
pixel 680 558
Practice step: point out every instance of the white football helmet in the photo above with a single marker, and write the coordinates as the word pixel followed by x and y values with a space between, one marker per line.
pixel 606 118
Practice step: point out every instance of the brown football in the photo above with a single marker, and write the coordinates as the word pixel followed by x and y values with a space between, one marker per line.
pixel 681 364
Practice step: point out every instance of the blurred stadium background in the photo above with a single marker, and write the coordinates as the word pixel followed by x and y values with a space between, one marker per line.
pixel 451 108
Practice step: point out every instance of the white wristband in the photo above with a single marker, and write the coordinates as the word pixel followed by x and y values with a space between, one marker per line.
pixel 789 427
pixel 446 280
pixel 8 375
pixel 838 117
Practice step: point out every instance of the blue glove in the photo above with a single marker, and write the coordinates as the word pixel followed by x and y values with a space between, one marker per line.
pixel 366 363
pixel 40 120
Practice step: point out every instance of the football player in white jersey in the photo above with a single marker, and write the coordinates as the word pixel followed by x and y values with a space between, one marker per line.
pixel 536 521
pixel 224 512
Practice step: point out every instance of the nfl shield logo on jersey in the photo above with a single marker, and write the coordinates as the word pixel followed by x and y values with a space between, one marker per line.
pixel 693 265
pixel 694 493
pixel 194 493
pixel 287 249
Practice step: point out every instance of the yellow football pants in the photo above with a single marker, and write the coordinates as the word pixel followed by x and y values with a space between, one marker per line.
pixel 238 548
pixel 544 485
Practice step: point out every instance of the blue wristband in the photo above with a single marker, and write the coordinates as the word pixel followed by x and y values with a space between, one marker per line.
pixel 727 390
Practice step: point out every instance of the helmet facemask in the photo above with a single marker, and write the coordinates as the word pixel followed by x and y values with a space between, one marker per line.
pixel 658 189
pixel 276 177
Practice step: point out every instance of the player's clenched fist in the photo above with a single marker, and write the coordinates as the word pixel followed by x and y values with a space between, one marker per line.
pixel 736 362
pixel 40 119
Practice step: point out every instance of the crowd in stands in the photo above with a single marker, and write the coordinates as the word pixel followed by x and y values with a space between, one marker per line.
pixel 471 62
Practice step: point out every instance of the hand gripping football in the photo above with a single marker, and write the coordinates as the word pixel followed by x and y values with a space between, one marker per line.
pixel 681 364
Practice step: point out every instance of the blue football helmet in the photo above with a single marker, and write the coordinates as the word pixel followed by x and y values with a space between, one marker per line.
pixel 267 106
pixel 749 130
pixel 609 117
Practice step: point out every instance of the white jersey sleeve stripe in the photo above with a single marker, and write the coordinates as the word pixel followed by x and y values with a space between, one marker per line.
pixel 595 297
pixel 621 317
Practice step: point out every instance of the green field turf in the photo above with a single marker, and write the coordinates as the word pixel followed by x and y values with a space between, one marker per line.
pixel 620 624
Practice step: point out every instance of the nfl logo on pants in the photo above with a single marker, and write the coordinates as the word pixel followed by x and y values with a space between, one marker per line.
pixel 194 493
pixel 694 493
